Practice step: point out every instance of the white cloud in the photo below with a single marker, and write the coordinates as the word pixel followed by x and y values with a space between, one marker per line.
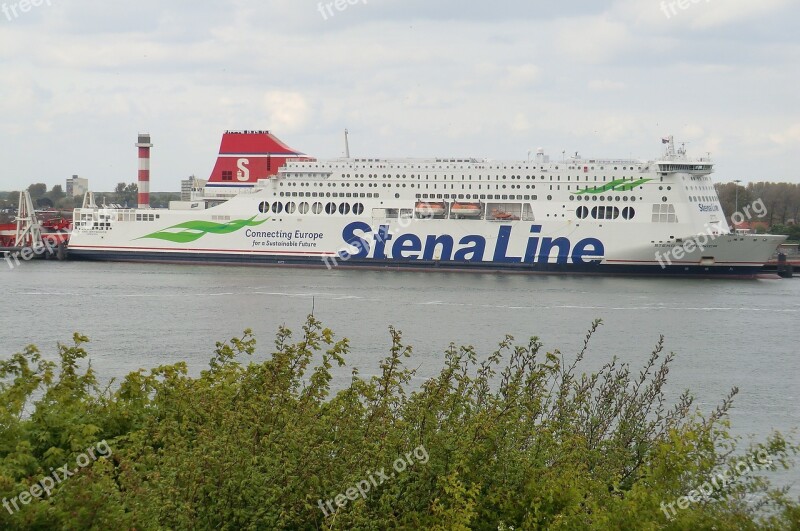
pixel 407 77
pixel 286 111
pixel 789 137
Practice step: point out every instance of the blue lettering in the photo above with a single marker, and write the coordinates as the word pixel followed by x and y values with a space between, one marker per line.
pixel 475 251
pixel 563 245
pixel 348 235
pixel 406 243
pixel 501 248
pixel 588 247
pixel 471 248
pixel 533 245
pixel 430 247
pixel 381 238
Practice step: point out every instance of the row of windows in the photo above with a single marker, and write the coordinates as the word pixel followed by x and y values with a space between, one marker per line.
pixel 605 212
pixel 436 186
pixel 698 198
pixel 479 196
pixel 147 217
pixel 316 208
pixel 291 164
pixel 329 194
pixel 602 198
pixel 594 178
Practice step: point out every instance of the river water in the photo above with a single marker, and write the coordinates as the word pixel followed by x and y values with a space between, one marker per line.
pixel 725 333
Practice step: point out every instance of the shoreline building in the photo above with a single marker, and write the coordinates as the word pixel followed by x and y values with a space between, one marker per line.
pixel 190 186
pixel 77 186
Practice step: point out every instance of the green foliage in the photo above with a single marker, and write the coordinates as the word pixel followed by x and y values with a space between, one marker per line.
pixel 518 439
pixel 37 190
pixel 793 231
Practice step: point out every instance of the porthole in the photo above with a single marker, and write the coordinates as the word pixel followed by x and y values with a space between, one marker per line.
pixel 316 208
pixel 664 199
pixel 277 208
pixel 582 212
pixel 628 212
pixel 330 208
pixel 344 209
pixel 358 209
pixel 263 207
pixel 291 207
pixel 304 207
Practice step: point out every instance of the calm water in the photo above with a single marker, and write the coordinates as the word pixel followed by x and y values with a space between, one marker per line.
pixel 725 333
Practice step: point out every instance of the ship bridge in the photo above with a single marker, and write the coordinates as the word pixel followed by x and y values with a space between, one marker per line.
pixel 692 168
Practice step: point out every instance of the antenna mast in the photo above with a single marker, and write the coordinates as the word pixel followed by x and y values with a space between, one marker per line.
pixel 346 145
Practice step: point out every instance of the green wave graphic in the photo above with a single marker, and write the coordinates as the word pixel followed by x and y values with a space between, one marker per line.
pixel 194 230
pixel 617 184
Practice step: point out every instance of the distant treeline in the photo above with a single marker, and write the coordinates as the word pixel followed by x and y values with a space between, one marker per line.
pixel 781 199
pixel 124 195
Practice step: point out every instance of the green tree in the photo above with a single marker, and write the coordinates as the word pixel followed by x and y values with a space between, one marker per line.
pixel 516 439
pixel 56 193
pixel 37 190
pixel 126 194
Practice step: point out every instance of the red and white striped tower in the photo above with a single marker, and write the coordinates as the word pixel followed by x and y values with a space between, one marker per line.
pixel 144 146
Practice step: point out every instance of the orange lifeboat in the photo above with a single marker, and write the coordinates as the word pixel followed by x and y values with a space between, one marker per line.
pixel 503 215
pixel 428 210
pixel 466 210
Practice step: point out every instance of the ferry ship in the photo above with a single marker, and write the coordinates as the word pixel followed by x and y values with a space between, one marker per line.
pixel 268 204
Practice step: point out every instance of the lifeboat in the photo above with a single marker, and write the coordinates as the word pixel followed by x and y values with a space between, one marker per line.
pixel 428 210
pixel 503 215
pixel 466 210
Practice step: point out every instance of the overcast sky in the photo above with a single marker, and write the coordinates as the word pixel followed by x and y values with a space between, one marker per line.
pixel 80 78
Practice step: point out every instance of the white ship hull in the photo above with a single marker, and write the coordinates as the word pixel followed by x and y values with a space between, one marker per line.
pixel 550 220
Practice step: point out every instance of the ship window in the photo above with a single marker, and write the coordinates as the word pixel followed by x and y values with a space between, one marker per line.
pixel 227 175
pixel 316 208
pixel 628 213
pixel 330 208
pixel 263 207
pixel 277 208
pixel 304 208
pixel 344 209
pixel 358 209
pixel 291 207
pixel 582 212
